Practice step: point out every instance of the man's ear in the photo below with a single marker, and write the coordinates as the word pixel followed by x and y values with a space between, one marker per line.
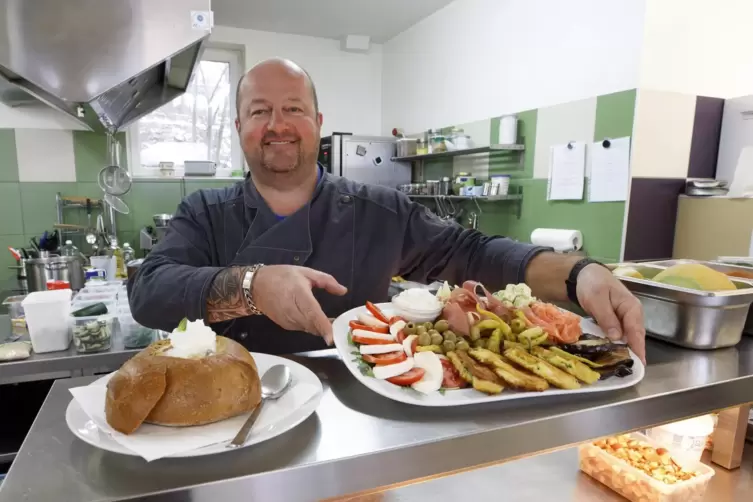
pixel 320 118
pixel 238 125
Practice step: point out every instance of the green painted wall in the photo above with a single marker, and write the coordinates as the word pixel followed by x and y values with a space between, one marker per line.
pixel 28 208
pixel 601 223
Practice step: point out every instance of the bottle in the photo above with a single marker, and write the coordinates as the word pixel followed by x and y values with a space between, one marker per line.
pixel 69 249
pixel 117 253
pixel 128 253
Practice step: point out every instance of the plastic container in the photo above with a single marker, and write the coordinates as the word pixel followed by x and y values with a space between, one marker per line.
pixel 636 485
pixel 69 249
pixel 502 182
pixel 17 317
pixel 414 314
pixel 105 297
pixel 135 336
pixel 685 439
pixel 92 334
pixel 108 264
pixel 47 317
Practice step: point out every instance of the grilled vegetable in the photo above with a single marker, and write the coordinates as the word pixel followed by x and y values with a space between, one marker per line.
pixel 486 386
pixel 495 340
pixel 510 345
pixel 478 370
pixel 511 375
pixel 541 368
pixel 430 348
pixel 481 343
pixel 575 368
pixel 504 328
pixel 532 337
pixel 486 324
pixel 517 326
pixel 590 347
pixel 458 364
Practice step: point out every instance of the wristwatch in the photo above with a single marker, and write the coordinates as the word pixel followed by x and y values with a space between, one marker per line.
pixel 571 283
pixel 248 281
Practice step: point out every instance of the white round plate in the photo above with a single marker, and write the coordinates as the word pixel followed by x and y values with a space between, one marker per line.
pixel 85 429
pixel 464 396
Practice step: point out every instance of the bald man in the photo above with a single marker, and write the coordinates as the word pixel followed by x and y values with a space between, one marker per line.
pixel 268 260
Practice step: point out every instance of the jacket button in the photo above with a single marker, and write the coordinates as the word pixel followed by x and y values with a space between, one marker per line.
pixel 346 199
pixel 243 335
pixel 296 258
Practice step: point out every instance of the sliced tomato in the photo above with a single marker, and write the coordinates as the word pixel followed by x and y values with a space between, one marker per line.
pixel 377 312
pixel 365 340
pixel 395 318
pixel 400 336
pixel 451 378
pixel 385 330
pixel 385 359
pixel 408 378
pixel 413 346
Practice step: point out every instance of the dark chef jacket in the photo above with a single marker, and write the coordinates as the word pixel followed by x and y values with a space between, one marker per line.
pixel 363 235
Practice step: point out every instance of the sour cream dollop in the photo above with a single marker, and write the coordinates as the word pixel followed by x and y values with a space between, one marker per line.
pixel 417 299
pixel 198 340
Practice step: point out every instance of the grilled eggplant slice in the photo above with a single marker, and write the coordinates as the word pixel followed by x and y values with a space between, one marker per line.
pixel 591 346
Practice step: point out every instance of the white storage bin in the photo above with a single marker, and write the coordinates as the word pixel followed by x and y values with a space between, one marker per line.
pixel 47 317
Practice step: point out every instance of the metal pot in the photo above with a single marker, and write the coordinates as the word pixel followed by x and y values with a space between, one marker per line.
pixel 161 220
pixel 133 266
pixel 55 268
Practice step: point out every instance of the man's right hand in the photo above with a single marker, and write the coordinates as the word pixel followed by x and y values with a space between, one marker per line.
pixel 283 293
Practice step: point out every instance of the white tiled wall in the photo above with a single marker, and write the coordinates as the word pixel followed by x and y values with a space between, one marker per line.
pixel 477 165
pixel 45 155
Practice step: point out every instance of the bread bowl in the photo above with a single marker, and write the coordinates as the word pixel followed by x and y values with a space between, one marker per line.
pixel 159 388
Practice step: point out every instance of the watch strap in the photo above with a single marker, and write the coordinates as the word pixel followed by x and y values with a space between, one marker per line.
pixel 571 283
pixel 247 284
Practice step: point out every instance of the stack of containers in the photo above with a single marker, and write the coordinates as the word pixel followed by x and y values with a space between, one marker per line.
pixel 93 333
pixel 135 336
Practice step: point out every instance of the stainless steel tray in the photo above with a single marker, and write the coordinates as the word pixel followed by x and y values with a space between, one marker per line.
pixel 687 317
pixel 724 268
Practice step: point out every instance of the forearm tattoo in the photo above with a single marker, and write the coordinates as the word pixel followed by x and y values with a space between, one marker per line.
pixel 225 300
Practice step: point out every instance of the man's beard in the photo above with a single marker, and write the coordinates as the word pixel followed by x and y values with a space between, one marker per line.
pixel 291 163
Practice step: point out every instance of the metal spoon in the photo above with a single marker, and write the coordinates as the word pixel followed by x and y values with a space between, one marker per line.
pixel 274 382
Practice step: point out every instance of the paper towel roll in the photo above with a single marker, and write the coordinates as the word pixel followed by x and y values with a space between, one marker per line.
pixel 561 240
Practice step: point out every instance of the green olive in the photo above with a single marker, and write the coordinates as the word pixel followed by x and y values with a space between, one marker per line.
pixel 518 326
pixel 436 339
pixel 421 330
pixel 462 345
pixel 409 329
pixel 450 336
pixel 428 325
pixel 480 343
pixel 424 339
pixel 442 326
pixel 448 346
pixel 433 332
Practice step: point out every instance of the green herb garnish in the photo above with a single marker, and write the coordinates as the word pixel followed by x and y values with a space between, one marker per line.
pixel 442 390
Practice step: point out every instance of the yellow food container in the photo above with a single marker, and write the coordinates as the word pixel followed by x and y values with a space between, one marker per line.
pixel 636 485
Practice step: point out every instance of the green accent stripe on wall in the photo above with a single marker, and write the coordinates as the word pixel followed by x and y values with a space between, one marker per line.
pixel 8 157
pixel 614 115
pixel 601 224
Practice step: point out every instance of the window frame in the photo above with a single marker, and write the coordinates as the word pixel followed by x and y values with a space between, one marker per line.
pixel 217 54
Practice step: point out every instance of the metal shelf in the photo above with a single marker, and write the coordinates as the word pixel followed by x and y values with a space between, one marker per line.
pixel 488 198
pixel 457 153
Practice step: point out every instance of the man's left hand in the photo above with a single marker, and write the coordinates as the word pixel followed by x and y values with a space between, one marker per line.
pixel 615 309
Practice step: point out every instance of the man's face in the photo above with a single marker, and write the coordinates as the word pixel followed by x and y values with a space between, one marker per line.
pixel 277 123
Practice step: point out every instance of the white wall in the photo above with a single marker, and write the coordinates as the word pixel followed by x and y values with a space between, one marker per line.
pixel 477 59
pixel 348 84
pixel 37 117
pixel 698 47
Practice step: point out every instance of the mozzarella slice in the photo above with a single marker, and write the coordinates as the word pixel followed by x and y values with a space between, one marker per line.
pixel 371 334
pixel 408 345
pixel 380 349
pixel 433 372
pixel 393 370
pixel 396 327
pixel 370 320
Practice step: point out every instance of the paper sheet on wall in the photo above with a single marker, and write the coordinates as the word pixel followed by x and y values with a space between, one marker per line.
pixel 567 171
pixel 610 170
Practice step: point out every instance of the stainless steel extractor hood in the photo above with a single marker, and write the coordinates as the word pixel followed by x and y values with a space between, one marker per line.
pixel 105 63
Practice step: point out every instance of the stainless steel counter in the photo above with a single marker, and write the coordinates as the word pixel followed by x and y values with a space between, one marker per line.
pixel 358 440
pixel 63 364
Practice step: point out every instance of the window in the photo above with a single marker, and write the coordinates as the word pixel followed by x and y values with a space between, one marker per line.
pixel 198 125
